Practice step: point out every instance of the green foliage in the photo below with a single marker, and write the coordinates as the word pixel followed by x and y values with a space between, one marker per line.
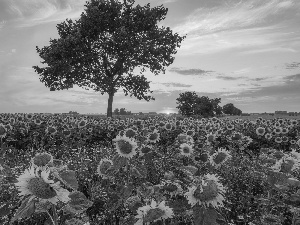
pixel 230 109
pixel 26 209
pixel 190 104
pixel 101 49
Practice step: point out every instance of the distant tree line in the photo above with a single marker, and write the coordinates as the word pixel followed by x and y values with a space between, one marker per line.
pixel 122 111
pixel 190 104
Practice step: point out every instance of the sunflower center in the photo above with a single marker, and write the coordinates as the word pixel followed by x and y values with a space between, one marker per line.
pixel 153 214
pixel 220 157
pixel 153 136
pixel 145 150
pixel 40 188
pixel 186 150
pixel 42 160
pixel 130 133
pixel 209 191
pixel 125 146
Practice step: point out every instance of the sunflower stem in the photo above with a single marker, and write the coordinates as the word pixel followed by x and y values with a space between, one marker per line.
pixel 54 215
pixel 50 218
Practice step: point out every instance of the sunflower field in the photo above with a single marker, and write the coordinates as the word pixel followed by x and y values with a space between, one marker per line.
pixel 80 170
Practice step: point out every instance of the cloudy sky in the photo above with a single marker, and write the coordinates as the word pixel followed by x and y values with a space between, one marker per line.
pixel 246 52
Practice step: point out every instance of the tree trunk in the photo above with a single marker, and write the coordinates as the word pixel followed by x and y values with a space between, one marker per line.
pixel 109 106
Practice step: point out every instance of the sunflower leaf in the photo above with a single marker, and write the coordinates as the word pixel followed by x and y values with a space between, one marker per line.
pixel 26 209
pixel 204 216
pixel 119 162
pixel 78 203
pixel 68 177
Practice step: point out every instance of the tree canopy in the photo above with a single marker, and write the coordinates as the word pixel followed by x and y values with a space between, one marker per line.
pixel 231 109
pixel 190 104
pixel 101 49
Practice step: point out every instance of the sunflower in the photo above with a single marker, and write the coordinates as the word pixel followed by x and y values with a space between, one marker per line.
pixel 260 131
pixel 82 124
pixel 268 136
pixel 171 187
pixel 103 166
pixel 42 159
pixel 125 146
pixel 2 131
pixel 208 192
pixel 277 130
pixel 51 130
pixel 153 137
pixel 278 140
pixel 153 213
pixel 229 126
pixel 168 126
pixel 219 158
pixel 144 149
pixel 210 138
pixel 129 132
pixel 286 164
pixel 35 183
pixel 186 149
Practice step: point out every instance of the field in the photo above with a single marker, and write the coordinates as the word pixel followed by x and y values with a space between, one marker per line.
pixel 62 169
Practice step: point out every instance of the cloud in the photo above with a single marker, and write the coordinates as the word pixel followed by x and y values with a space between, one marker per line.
pixel 293 65
pixel 190 71
pixel 229 78
pixel 176 85
pixel 33 12
pixel 273 49
pixel 233 15
pixel 258 79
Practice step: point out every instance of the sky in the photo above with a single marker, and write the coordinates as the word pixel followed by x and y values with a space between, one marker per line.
pixel 246 52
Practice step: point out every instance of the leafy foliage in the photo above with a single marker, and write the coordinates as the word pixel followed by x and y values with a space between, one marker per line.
pixel 190 104
pixel 100 50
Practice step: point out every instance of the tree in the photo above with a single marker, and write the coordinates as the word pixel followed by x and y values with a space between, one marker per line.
pixel 191 104
pixel 116 111
pixel 231 109
pixel 123 111
pixel 101 49
pixel 186 103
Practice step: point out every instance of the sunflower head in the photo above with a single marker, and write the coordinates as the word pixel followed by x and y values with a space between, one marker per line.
pixel 186 149
pixel 207 192
pixel 219 157
pixel 153 214
pixel 125 146
pixel 103 166
pixel 2 130
pixel 42 159
pixel 40 188
pixel 153 137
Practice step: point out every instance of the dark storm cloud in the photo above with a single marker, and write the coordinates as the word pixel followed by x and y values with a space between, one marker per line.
pixel 190 71
pixel 293 65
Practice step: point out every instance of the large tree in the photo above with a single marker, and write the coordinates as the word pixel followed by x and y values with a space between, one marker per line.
pixel 101 49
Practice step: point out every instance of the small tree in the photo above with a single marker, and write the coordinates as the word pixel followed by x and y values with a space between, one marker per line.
pixel 123 111
pixel 116 111
pixel 189 104
pixel 100 50
pixel 231 109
